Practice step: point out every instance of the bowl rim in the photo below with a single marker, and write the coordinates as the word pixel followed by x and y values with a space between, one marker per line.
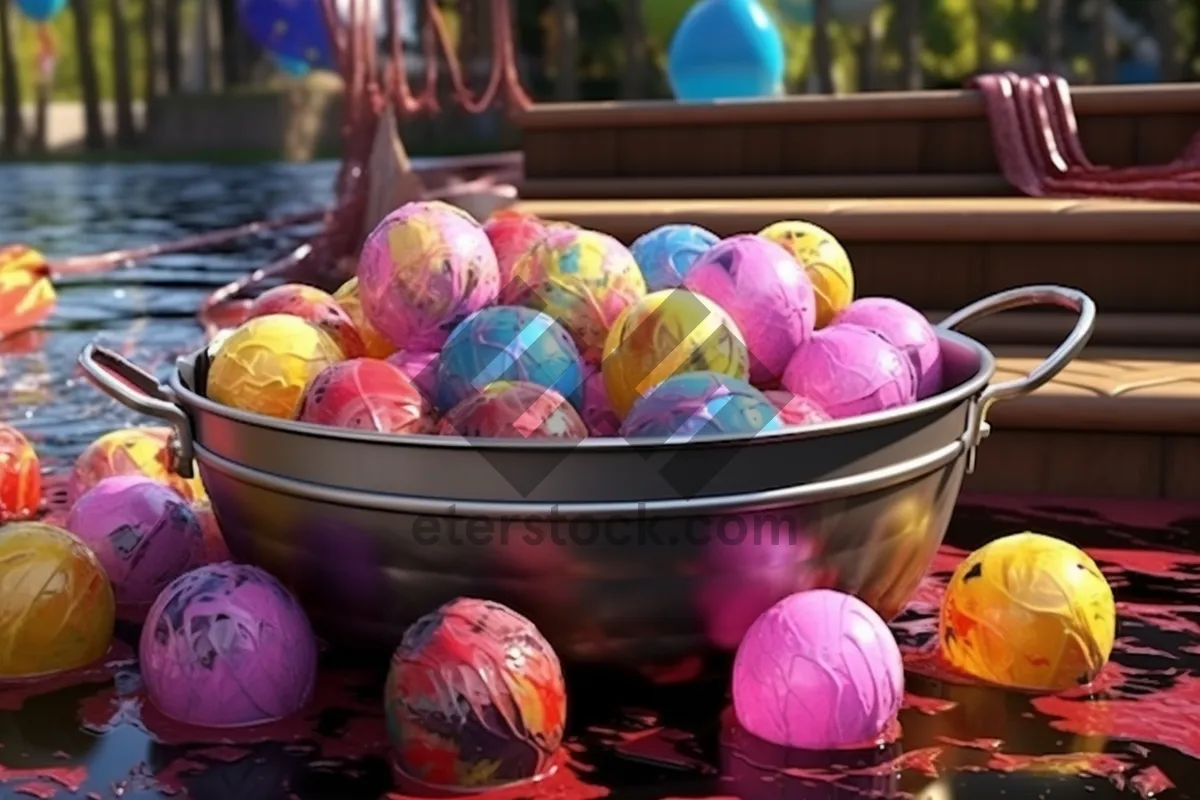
pixel 190 399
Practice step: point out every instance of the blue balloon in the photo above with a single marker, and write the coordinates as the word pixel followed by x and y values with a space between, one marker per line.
pixel 293 66
pixel 726 49
pixel 290 29
pixel 41 10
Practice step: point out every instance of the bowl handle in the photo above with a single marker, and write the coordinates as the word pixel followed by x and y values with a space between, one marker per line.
pixel 1043 373
pixel 138 390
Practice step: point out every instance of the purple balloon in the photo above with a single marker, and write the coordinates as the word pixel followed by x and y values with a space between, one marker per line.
pixel 818 670
pixel 144 534
pixel 227 646
pixel 908 330
pixel 767 293
pixel 849 370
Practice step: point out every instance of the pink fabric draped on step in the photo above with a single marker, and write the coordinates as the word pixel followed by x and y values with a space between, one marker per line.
pixel 1036 139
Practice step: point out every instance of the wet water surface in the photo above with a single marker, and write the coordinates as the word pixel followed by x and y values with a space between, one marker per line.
pixel 1134 733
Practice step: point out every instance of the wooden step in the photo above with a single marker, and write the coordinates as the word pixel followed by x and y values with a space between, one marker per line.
pixel 1116 423
pixel 1050 326
pixel 867 134
pixel 1132 257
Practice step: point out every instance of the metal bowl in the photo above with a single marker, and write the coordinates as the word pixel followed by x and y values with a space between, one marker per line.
pixel 623 552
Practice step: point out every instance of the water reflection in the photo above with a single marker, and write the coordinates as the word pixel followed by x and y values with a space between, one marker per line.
pixel 143 311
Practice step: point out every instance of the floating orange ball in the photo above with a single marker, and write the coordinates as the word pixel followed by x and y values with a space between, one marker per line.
pixel 26 294
pixel 20 476
pixel 57 609
pixel 131 451
pixel 375 345
pixel 312 305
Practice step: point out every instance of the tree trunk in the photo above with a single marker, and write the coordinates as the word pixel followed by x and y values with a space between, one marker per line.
pixel 10 89
pixel 822 58
pixel 122 74
pixel 1104 48
pixel 236 51
pixel 637 57
pixel 867 52
pixel 172 47
pixel 983 34
pixel 912 74
pixel 152 40
pixel 1164 13
pixel 89 83
pixel 1051 14
pixel 566 25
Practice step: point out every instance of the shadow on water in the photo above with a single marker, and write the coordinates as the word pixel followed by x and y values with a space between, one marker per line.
pixel 1137 735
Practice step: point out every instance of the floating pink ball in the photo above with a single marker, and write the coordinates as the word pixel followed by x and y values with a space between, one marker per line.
pixel 908 330
pixel 422 271
pixel 818 670
pixel 767 293
pixel 849 370
pixel 144 534
pixel 796 410
pixel 226 646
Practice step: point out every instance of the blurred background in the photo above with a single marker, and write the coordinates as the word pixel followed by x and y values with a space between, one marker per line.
pixel 182 79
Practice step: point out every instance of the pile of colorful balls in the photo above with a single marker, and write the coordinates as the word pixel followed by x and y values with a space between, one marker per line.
pixel 521 327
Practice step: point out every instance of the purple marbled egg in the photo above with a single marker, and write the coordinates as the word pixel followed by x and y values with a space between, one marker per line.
pixel 144 534
pixel 767 293
pixel 227 646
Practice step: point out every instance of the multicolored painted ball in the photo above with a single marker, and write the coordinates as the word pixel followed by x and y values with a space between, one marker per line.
pixel 227 646
pixel 666 333
pixel 824 260
pixel 512 236
pixel 848 370
pixel 598 413
pixel 818 670
pixel 364 394
pixel 514 410
pixel 375 344
pixel 131 451
pixel 908 330
pixel 20 476
pixel 772 302
pixel 581 278
pixel 794 410
pixel 422 272
pixel 701 404
pixel 144 534
pixel 421 367
pixel 56 610
pixel 475 698
pixel 666 253
pixel 508 343
pixel 1028 611
pixel 312 305
pixel 266 364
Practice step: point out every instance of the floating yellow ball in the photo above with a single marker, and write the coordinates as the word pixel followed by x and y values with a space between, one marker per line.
pixel 666 333
pixel 56 604
pixel 266 363
pixel 376 345
pixel 1028 611
pixel 823 258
